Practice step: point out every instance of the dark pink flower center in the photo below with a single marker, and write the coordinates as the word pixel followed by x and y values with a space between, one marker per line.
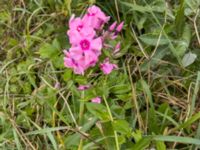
pixel 91 14
pixel 85 44
pixel 79 28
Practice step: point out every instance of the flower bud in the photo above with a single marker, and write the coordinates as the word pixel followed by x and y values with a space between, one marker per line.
pixel 117 48
pixel 112 27
pixel 83 87
pixel 120 26
pixel 96 100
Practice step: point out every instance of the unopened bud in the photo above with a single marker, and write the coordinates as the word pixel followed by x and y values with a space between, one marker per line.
pixel 120 26
pixel 112 27
pixel 117 48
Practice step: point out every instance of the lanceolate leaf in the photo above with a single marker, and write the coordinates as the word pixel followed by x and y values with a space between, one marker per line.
pixel 180 19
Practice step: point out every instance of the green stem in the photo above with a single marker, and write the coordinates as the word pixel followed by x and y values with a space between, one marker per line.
pixel 82 105
pixel 112 120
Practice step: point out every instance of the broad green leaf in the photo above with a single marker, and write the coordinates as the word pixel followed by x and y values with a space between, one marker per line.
pixel 158 56
pixel 142 144
pixel 81 79
pixel 160 145
pixel 67 75
pixel 50 50
pixel 152 39
pixel 47 51
pixel 143 9
pixel 121 89
pixel 122 127
pixel 56 44
pixel 137 135
pixel 98 110
pixel 188 59
pixel 183 44
pixel 108 131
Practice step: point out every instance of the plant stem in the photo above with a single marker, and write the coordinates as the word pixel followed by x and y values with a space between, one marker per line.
pixel 112 120
pixel 82 105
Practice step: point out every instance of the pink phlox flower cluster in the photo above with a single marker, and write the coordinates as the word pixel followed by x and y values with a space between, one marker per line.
pixel 86 42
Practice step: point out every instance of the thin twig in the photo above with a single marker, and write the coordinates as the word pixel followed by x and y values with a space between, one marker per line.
pixel 139 44
pixel 134 97
pixel 195 26
pixel 117 9
pixel 21 134
pixel 157 44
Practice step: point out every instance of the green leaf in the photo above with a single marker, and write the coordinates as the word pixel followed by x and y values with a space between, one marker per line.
pixel 122 127
pixel 153 125
pixel 180 19
pixel 188 59
pixel 52 139
pixel 98 110
pixel 56 44
pixel 50 50
pixel 58 62
pixel 183 44
pixel 108 131
pixel 5 16
pixel 47 51
pixel 67 75
pixel 81 79
pixel 17 141
pixel 143 9
pixel 195 94
pixel 190 121
pixel 186 140
pixel 142 144
pixel 121 89
pixel 137 135
pixel 160 145
pixel 152 39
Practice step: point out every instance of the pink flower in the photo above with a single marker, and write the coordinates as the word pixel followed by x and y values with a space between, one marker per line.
pixel 69 62
pixel 96 100
pixel 84 55
pixel 80 61
pixel 78 28
pixel 120 26
pixel 57 85
pixel 95 17
pixel 107 67
pixel 83 87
